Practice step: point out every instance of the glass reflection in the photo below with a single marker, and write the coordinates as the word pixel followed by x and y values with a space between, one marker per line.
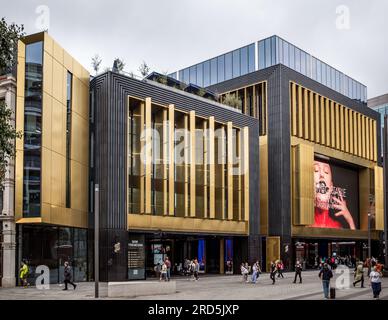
pixel 32 129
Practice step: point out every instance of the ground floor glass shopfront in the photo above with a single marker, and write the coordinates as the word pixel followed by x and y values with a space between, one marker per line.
pixel 216 255
pixel 51 246
pixel 310 251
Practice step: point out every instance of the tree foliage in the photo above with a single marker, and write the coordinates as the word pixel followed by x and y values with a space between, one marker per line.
pixel 96 62
pixel 232 101
pixel 144 69
pixel 10 34
pixel 118 65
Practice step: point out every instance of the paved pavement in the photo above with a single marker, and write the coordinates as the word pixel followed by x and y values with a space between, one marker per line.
pixel 216 288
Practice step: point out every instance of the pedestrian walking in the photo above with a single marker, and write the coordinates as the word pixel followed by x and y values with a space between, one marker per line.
pixel 359 275
pixel 157 270
pixel 326 274
pixel 254 272
pixel 280 267
pixel 244 272
pixel 67 276
pixel 298 271
pixel 273 272
pixel 163 272
pixel 375 280
pixel 196 269
pixel 23 274
pixel 168 265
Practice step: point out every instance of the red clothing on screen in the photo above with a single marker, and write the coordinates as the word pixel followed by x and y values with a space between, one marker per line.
pixel 323 220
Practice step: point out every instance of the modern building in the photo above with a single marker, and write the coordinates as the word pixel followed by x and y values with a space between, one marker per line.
pixel 178 176
pixel 7 219
pixel 320 173
pixel 380 104
pixel 291 171
pixel 52 158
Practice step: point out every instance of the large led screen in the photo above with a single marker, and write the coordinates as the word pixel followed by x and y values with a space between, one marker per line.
pixel 336 196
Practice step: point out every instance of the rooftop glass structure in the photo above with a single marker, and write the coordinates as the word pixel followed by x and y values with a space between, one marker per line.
pixel 266 53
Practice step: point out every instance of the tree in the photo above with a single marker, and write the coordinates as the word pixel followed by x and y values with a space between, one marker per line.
pixel 201 92
pixel 232 101
pixel 162 79
pixel 118 65
pixel 10 34
pixel 96 62
pixel 144 69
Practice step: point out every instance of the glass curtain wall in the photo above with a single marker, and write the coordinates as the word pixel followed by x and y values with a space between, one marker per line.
pixel 51 247
pixel 135 126
pixel 32 129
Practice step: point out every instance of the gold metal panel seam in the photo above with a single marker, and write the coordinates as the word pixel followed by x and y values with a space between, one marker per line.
pixel 317 121
pixel 230 147
pixel 300 112
pixel 171 152
pixel 379 198
pixel 311 112
pixel 212 186
pixel 148 155
pixel 346 110
pixel 293 109
pixel 306 114
pixel 192 165
pixel 246 170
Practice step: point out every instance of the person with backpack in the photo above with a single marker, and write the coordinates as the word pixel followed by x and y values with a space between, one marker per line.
pixel 23 274
pixel 298 271
pixel 67 276
pixel 326 274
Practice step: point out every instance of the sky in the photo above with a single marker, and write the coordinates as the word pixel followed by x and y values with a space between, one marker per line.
pixel 350 35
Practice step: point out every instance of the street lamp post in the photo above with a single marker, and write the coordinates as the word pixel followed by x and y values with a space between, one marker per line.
pixel 96 241
pixel 385 162
pixel 369 237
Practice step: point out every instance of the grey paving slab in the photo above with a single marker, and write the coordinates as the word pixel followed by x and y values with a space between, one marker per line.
pixel 214 288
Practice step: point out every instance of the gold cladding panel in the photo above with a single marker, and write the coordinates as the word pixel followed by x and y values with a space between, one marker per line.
pixel 272 250
pixel 46 175
pixel 58 172
pixel 58 52
pixel 303 184
pixel 379 198
pixel 47 73
pixel 80 103
pixel 58 134
pixel 263 163
pixel 364 178
pixel 186 224
pixel 46 120
pixel 79 139
pixel 57 81
pixel 79 186
pixel 48 44
pixel 67 61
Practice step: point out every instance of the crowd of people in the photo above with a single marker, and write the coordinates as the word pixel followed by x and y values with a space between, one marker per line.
pixel 190 269
pixel 326 267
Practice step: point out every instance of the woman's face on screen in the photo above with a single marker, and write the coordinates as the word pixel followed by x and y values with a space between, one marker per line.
pixel 323 184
